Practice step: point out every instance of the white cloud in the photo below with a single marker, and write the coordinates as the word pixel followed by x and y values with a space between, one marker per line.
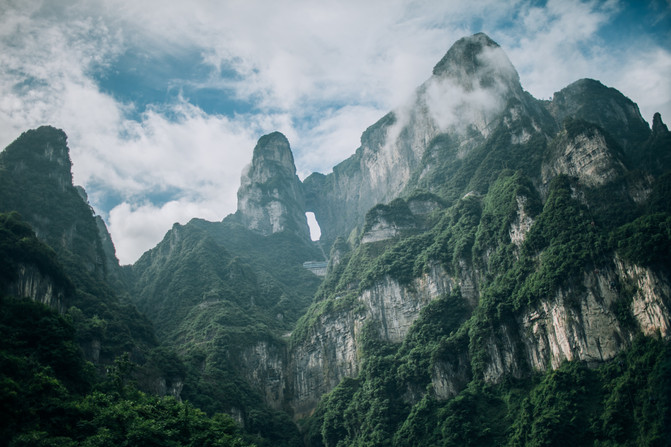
pixel 560 44
pixel 334 137
pixel 140 227
pixel 550 53
pixel 646 80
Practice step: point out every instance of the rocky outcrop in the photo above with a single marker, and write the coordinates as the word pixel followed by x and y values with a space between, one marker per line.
pixel 651 301
pixel 328 354
pixel 575 325
pixel 398 218
pixel 586 323
pixel 522 223
pixel 396 307
pixel 587 155
pixel 388 221
pixel 33 284
pixel 270 198
pixel 264 366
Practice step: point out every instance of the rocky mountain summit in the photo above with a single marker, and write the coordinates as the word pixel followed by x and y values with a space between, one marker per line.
pixel 470 88
pixel 37 182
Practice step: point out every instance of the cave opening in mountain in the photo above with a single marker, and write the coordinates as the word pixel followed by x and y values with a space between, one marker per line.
pixel 315 231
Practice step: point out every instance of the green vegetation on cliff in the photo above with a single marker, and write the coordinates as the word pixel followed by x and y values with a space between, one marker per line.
pixel 51 397
pixel 36 182
pixel 393 401
pixel 220 295
pixel 624 401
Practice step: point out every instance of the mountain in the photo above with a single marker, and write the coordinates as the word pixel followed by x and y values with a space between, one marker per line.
pixel 498 273
pixel 532 255
pixel 485 236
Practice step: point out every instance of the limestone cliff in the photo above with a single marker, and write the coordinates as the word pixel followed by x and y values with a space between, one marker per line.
pixel 583 323
pixel 587 154
pixel 32 283
pixel 270 198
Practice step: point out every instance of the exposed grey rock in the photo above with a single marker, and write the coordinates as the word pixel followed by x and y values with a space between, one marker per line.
pixel 606 107
pixel 270 198
pixel 33 284
pixel 587 156
pixel 330 352
pixel 265 364
pixel 388 221
pixel 658 126
pixel 522 224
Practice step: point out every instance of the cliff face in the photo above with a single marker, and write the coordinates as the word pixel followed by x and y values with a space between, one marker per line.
pixel 587 155
pixel 66 258
pixel 575 324
pixel 33 284
pixel 331 349
pixel 270 198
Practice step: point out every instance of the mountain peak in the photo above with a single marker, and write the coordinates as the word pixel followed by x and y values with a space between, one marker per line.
pixel 270 198
pixel 477 57
pixel 591 101
pixel 274 146
pixel 42 151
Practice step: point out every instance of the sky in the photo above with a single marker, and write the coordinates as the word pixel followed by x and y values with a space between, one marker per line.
pixel 163 101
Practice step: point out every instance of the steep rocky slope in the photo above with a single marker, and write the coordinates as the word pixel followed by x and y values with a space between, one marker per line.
pixel 36 183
